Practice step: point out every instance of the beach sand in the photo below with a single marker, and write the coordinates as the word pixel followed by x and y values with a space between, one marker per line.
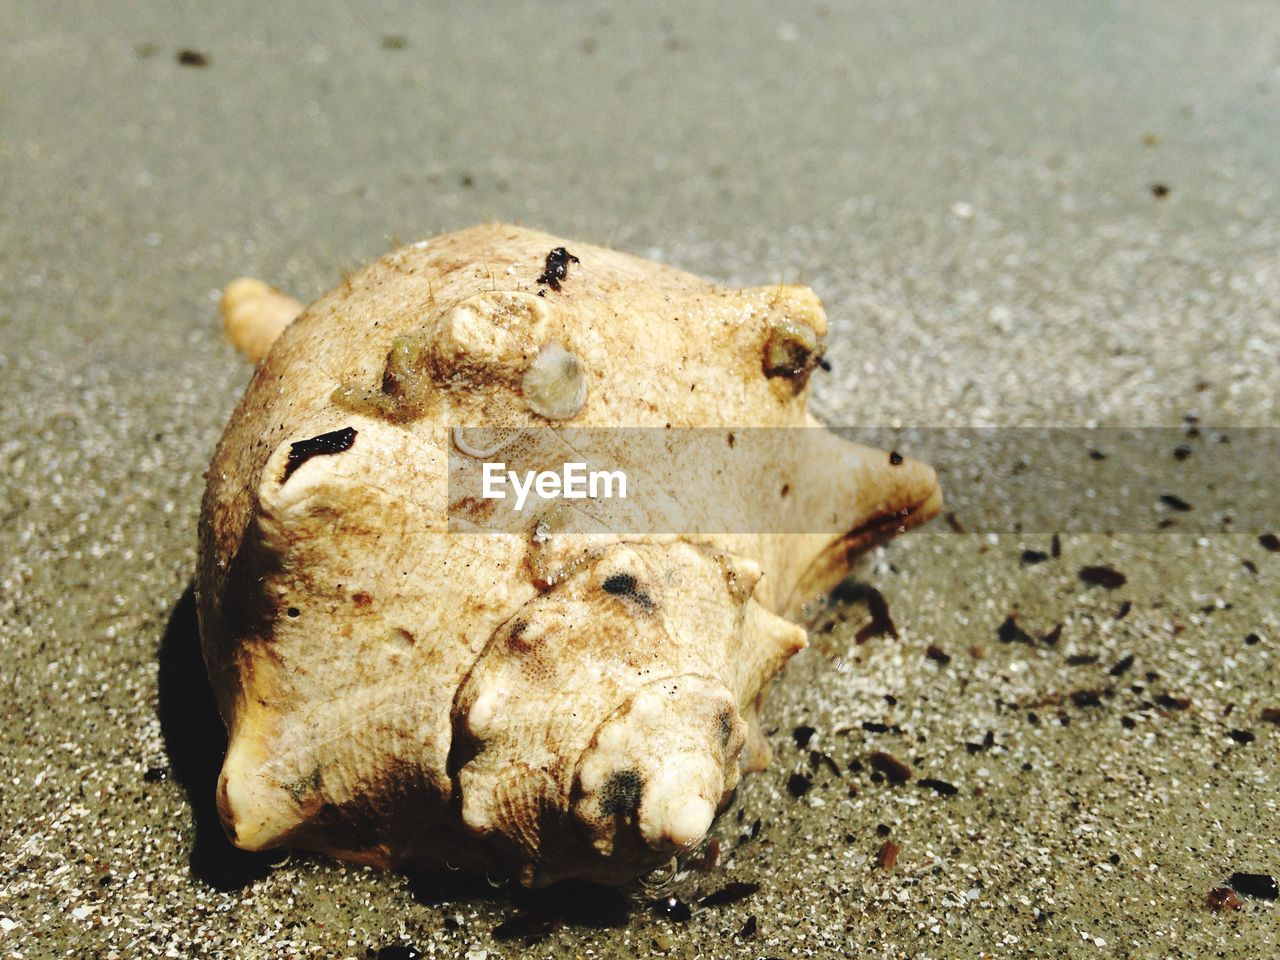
pixel 1016 214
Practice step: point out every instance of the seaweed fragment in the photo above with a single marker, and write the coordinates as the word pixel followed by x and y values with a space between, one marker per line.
pixel 556 267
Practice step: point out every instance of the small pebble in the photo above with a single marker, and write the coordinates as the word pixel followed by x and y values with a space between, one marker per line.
pixel 1223 898
pixel 1261 886
pixel 893 768
pixel 1121 666
pixel 887 855
pixel 1100 576
pixel 1009 631
pixel 802 735
pixel 672 908
pixel 1086 698
pixel 798 784
pixel 940 787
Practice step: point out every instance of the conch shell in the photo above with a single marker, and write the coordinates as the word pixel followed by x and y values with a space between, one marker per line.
pixel 538 702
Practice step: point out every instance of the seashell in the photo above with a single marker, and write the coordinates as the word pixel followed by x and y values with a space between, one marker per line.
pixel 555 697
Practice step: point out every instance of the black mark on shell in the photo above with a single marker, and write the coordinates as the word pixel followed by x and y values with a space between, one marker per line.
pixel 515 637
pixel 303 450
pixel 792 350
pixel 620 795
pixel 624 585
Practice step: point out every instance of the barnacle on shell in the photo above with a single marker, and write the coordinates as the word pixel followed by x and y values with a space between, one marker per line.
pixel 538 699
pixel 554 385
